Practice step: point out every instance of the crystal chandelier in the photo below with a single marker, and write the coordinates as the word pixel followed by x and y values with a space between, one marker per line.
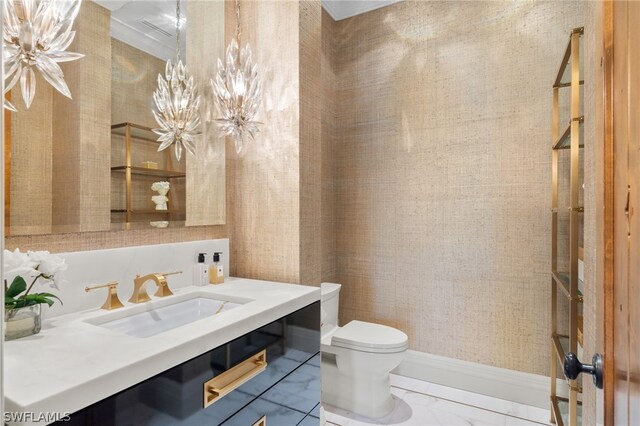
pixel 237 92
pixel 177 101
pixel 35 34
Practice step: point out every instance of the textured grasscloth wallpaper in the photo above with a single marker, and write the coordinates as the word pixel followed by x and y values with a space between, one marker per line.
pixel 443 173
pixel 47 188
pixel 30 191
pixel 328 122
pixel 310 143
pixel 134 77
pixel 79 179
pixel 275 203
pixel 206 184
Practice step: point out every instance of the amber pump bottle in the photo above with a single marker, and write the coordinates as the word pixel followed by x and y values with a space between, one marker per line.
pixel 216 270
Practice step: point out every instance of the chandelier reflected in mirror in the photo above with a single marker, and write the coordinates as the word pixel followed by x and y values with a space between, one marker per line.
pixel 237 92
pixel 177 104
pixel 35 36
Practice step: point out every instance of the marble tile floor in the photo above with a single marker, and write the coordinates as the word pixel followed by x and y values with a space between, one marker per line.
pixel 420 403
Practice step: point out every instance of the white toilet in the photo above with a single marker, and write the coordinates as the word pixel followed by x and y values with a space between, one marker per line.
pixel 357 360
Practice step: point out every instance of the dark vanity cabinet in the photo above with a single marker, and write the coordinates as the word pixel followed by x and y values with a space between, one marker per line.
pixel 270 376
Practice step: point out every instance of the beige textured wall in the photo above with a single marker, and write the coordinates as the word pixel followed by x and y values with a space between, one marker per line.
pixel 56 178
pixel 134 77
pixel 81 183
pixel 31 132
pixel 265 241
pixel 328 122
pixel 268 218
pixel 443 174
pixel 205 182
pixel 311 163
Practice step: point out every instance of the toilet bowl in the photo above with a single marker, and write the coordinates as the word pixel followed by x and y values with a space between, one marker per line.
pixel 357 359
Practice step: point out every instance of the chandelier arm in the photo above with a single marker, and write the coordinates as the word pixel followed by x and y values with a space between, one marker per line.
pixel 238 22
pixel 177 30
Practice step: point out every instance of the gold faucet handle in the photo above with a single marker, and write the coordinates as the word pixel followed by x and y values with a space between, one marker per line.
pixel 112 302
pixel 163 285
pixel 166 274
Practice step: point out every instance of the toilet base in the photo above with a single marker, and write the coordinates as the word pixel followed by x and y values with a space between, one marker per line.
pixel 366 395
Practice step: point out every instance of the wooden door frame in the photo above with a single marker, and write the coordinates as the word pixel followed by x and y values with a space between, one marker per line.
pixel 616 52
pixel 608 214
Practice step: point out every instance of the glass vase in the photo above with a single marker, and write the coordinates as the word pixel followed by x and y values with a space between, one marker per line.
pixel 22 322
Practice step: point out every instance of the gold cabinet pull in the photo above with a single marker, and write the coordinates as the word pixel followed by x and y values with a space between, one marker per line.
pixel 261 422
pixel 231 379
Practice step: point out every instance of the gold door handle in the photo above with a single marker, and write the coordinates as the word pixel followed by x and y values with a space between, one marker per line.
pixel 233 378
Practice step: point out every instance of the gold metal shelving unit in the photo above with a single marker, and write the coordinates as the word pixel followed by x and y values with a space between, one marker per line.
pixel 566 410
pixel 135 132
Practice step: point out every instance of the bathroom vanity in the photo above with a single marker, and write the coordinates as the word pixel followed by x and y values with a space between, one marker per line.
pixel 255 357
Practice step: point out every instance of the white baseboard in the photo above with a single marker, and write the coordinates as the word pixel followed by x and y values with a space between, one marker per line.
pixel 511 385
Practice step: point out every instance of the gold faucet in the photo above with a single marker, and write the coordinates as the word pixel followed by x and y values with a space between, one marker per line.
pixel 112 302
pixel 140 294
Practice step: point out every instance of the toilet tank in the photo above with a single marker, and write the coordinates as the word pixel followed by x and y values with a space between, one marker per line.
pixel 330 300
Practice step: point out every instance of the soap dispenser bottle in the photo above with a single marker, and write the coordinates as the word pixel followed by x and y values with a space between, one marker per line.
pixel 216 271
pixel 200 271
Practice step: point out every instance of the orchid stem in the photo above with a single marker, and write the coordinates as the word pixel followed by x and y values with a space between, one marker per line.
pixel 32 283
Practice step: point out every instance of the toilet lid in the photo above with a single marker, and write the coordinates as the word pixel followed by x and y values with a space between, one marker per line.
pixel 368 337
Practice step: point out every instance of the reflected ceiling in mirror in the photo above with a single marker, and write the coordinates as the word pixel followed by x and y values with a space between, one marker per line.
pixel 147 25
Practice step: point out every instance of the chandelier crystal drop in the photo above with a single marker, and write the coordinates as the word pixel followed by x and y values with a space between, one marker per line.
pixel 35 36
pixel 177 104
pixel 237 92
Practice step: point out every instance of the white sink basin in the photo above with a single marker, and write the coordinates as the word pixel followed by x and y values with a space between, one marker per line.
pixel 158 319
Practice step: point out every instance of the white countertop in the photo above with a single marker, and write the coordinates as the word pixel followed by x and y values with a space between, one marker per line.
pixel 72 364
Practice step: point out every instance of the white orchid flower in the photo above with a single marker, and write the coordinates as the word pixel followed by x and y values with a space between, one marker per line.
pixel 50 266
pixel 19 264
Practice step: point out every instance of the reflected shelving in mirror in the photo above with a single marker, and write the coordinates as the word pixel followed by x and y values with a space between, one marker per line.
pixel 169 174
pixel 124 226
pixel 133 184
pixel 137 131
pixel 150 211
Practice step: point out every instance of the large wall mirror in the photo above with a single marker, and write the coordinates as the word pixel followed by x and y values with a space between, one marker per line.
pixel 91 163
